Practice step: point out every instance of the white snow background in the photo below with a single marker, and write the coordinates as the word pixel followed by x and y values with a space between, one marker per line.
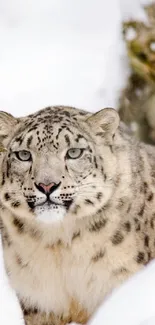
pixel 70 53
pixel 59 52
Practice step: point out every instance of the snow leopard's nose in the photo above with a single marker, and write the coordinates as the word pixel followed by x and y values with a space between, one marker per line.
pixel 47 188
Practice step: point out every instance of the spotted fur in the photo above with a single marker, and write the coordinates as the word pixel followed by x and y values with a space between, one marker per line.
pixel 66 250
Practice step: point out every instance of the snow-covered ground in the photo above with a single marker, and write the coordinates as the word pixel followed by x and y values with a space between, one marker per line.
pixel 131 304
pixel 71 53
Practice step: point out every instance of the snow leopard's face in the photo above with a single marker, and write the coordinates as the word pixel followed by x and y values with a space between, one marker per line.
pixel 58 161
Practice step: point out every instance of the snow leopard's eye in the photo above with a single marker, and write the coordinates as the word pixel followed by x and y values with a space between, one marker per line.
pixel 74 153
pixel 23 155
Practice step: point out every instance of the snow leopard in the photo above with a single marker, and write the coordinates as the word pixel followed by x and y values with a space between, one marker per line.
pixel 77 210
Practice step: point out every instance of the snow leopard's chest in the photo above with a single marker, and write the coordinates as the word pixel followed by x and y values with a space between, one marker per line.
pixel 52 278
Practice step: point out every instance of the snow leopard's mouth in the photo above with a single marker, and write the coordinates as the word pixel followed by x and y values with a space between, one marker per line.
pixel 50 203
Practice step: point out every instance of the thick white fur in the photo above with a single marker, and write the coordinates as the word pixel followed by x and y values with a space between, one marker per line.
pixel 132 304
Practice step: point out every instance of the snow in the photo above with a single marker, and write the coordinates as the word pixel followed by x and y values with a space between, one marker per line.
pixel 133 9
pixel 131 304
pixel 152 46
pixel 69 52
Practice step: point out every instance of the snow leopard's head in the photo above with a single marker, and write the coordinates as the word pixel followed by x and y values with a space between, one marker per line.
pixel 58 161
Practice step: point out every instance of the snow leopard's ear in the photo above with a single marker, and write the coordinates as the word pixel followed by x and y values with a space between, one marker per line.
pixel 105 122
pixel 7 127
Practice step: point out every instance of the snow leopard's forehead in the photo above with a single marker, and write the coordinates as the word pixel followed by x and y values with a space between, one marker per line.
pixel 48 124
pixel 56 114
